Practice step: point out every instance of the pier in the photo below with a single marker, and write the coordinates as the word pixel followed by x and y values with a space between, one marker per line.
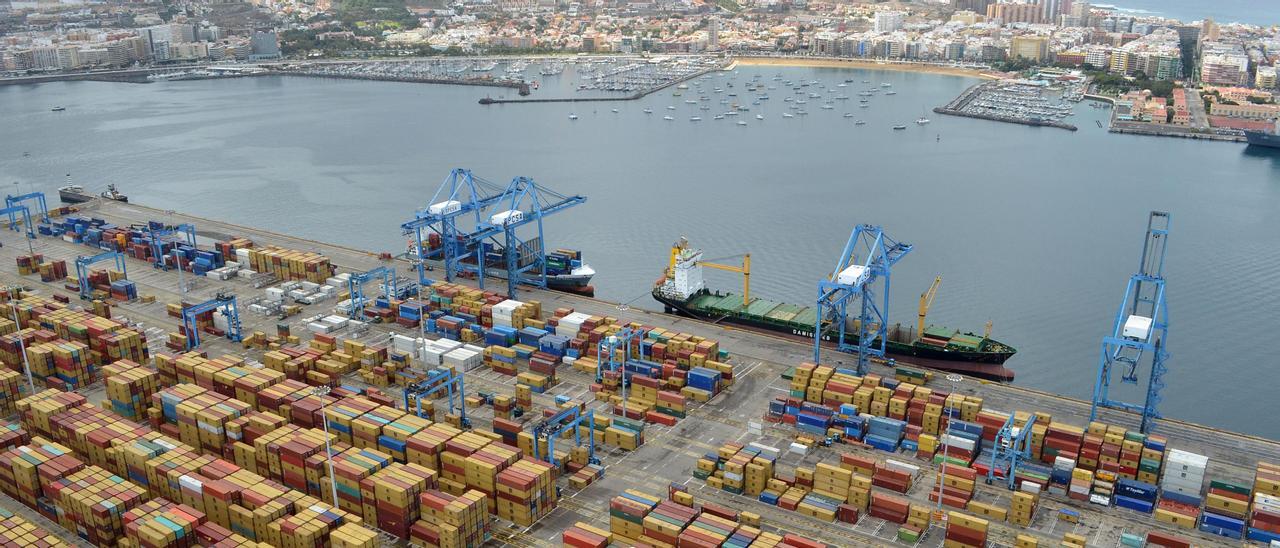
pixel 999 102
pixel 669 452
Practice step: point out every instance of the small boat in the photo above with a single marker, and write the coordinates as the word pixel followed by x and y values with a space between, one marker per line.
pixel 690 102
pixel 788 115
pixel 842 85
pixel 900 126
pixel 802 113
pixel 827 106
pixel 891 92
pixel 864 105
pixel 866 81
pixel 670 107
pixel 922 121
pixel 860 123
pixel 759 116
pixel 885 84
pixel 848 115
pixel 613 110
pixel 58 109
pixel 695 118
pixel 741 123
pixel 719 117
pixel 573 116
pixel 704 107
pixel 668 118
pixel 648 110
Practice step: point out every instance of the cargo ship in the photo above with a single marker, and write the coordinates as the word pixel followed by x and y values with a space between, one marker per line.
pixel 564 268
pixel 682 291
pixel 1266 139
pixel 76 194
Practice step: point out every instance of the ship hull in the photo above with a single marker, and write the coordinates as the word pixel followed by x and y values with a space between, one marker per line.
pixel 986 365
pixel 69 197
pixel 1262 139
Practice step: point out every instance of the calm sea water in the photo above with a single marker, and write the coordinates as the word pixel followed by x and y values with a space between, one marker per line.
pixel 1035 229
pixel 1254 12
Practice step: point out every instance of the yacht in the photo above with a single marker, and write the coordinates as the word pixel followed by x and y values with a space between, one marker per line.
pixel 741 123
pixel 788 115
pixel 573 116
pixel 860 123
pixel 759 116
pixel 695 118
pixel 668 118
pixel 900 126
pixel 648 110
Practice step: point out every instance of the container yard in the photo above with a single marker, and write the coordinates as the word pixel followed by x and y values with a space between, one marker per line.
pixel 239 387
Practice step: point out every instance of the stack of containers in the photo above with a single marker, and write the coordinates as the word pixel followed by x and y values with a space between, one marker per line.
pixel 1135 495
pixel 129 388
pixel 526 492
pixel 665 522
pixel 449 520
pixel 627 513
pixel 162 524
pixel 889 508
pixel 1022 508
pixel 884 433
pixel 582 535
pixel 1264 513
pixel 965 531
pixel 1061 440
pixel 92 502
pixel 92 432
pixel 1184 474
pixel 17 531
pixel 36 410
pixel 12 435
pixel 350 468
pixel 1226 507
pixel 962 443
pixel 392 496
pixel 957 486
pixel 895 476
pixel 12 388
pixel 26 470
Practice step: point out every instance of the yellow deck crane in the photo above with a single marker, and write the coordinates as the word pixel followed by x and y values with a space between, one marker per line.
pixel 926 301
pixel 682 251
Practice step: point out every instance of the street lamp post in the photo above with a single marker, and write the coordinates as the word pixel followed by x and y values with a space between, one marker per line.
pixel 323 391
pixel 22 347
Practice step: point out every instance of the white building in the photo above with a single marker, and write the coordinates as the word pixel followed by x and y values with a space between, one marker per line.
pixel 889 21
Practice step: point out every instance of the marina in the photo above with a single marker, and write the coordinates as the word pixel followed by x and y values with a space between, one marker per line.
pixel 762 366
pixel 1011 102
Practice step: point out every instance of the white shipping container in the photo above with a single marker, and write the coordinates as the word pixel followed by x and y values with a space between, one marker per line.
pixel 245 273
pixel 1100 500
pixel 799 448
pixel 903 467
pixel 242 255
pixel 765 450
pixel 317 327
pixel 336 321
pixel 1029 487
pixel 308 286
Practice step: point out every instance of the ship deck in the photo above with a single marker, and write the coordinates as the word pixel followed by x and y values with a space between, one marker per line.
pixel 670 453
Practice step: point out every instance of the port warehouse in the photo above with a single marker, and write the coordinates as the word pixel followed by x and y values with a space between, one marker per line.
pixel 732 456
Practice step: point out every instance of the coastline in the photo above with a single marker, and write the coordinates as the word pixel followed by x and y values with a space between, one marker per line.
pixel 832 62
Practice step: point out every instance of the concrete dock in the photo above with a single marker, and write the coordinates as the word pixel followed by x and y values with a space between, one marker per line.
pixel 669 453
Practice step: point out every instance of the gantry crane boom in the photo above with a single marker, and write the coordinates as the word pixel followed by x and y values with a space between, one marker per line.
pixel 853 280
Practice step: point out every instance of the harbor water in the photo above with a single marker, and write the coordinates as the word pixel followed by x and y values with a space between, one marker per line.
pixel 1036 229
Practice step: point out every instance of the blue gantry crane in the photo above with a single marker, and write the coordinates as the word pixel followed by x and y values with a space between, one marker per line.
pixel 11 201
pixel 438 380
pixel 1011 447
pixel 82 269
pixel 13 211
pixel 1139 332
pixel 462 194
pixel 858 280
pixel 525 202
pixel 162 234
pixel 607 352
pixel 551 427
pixel 223 303
pixel 355 287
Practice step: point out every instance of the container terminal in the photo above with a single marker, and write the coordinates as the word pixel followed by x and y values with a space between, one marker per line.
pixel 663 477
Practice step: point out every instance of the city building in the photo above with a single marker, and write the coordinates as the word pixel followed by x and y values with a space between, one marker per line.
pixel 976 6
pixel 1246 110
pixel 1227 69
pixel 967 17
pixel 1266 78
pixel 954 51
pixel 265 46
pixel 889 21
pixel 1034 48
pixel 1181 114
pixel 1007 14
pixel 1239 94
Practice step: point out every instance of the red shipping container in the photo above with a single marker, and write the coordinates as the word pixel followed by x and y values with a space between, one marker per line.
pixel 1168 540
pixel 578 538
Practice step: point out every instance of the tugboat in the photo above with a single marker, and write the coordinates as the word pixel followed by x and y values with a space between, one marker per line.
pixel 76 194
